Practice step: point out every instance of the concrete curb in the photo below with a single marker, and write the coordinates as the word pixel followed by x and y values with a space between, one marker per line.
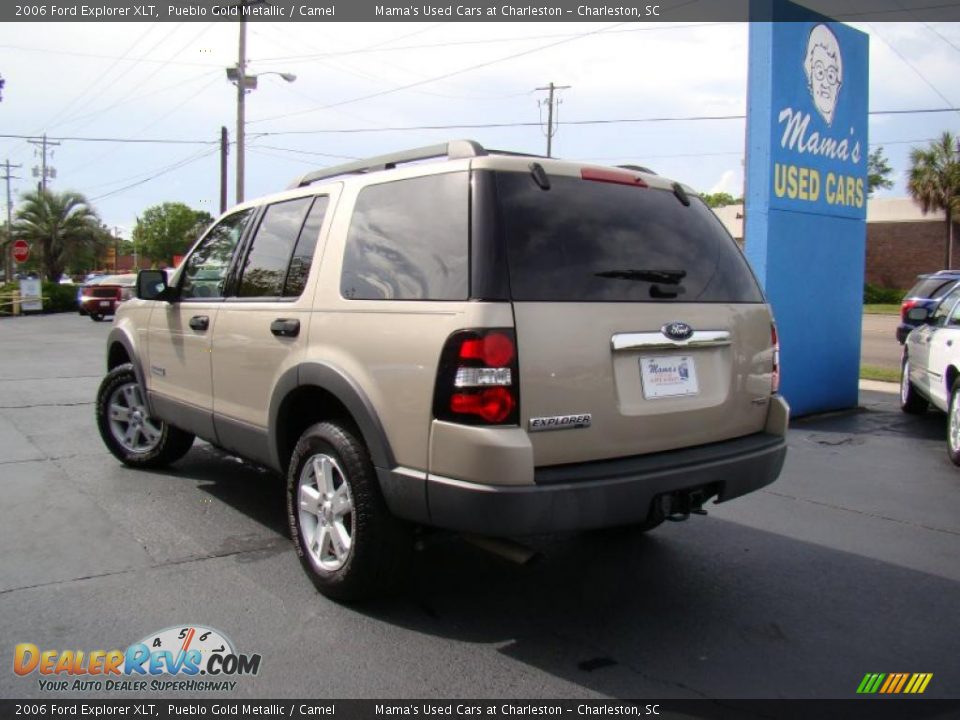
pixel 879 386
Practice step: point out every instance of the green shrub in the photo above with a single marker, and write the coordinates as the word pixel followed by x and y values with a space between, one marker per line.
pixel 59 298
pixel 876 295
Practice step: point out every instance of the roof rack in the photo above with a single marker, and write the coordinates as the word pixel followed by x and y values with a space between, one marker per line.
pixel 453 150
pixel 638 168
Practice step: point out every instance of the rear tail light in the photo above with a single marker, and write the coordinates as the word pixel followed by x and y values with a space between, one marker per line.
pixel 477 380
pixel 905 308
pixel 775 376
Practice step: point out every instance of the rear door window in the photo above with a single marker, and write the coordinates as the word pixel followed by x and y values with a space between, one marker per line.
pixel 588 241
pixel 265 267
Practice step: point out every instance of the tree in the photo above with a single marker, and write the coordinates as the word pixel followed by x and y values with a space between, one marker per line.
pixel 934 182
pixel 878 172
pixel 62 225
pixel 720 199
pixel 169 229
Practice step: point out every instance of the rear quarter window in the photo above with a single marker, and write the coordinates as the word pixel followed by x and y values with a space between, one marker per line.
pixel 588 241
pixel 408 240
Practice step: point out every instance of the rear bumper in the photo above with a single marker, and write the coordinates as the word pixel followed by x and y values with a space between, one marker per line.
pixel 605 493
pixel 95 305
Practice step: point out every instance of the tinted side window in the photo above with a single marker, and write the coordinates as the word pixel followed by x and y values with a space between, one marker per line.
pixel 303 253
pixel 266 264
pixel 408 240
pixel 206 269
pixel 587 241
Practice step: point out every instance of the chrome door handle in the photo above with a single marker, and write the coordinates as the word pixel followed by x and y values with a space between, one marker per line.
pixel 200 322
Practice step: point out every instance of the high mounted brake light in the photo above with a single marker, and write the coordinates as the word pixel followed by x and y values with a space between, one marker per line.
pixel 477 378
pixel 619 177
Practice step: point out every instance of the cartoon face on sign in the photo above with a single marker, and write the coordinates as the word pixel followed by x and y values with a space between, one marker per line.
pixel 823 65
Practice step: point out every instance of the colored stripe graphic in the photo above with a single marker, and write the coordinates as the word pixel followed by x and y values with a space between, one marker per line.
pixel 894 683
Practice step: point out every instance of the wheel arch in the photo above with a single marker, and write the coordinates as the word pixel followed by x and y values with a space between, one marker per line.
pixel 950 376
pixel 120 350
pixel 315 392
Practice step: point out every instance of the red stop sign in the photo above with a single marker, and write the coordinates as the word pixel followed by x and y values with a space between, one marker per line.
pixel 21 251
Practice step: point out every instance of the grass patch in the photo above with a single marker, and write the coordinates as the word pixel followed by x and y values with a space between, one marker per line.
pixel 881 309
pixel 872 372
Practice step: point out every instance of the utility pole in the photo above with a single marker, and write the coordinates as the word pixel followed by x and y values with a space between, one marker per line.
pixel 116 249
pixel 551 127
pixel 44 171
pixel 224 149
pixel 8 252
pixel 241 101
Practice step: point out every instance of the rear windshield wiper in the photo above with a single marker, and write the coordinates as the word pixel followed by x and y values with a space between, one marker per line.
pixel 667 277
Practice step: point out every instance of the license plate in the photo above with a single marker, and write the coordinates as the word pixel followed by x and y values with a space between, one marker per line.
pixel 104 303
pixel 664 376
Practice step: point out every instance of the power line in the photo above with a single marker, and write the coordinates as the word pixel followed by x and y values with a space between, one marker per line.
pixel 911 66
pixel 444 76
pixel 596 121
pixel 97 56
pixel 947 41
pixel 74 138
pixel 463 43
pixel 176 166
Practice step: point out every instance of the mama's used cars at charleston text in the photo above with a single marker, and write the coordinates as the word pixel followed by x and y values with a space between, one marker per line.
pixel 486 342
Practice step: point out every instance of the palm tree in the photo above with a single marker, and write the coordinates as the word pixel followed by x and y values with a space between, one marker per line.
pixel 61 224
pixel 934 182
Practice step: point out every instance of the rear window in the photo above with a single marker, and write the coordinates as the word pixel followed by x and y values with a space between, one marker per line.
pixel 931 287
pixel 587 241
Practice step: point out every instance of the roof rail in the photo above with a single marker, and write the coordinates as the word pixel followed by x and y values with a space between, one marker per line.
pixel 453 150
pixel 638 168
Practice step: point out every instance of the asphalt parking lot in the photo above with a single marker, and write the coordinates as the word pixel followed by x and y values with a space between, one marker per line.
pixel 849 564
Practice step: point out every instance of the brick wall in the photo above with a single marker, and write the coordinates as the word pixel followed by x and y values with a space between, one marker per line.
pixel 899 251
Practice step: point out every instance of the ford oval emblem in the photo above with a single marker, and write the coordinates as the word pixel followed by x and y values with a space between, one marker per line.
pixel 677 331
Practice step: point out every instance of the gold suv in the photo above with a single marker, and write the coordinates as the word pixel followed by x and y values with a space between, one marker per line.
pixel 460 338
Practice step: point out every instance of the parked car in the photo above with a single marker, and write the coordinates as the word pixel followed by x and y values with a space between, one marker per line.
pixel 100 297
pixel 928 292
pixel 930 371
pixel 453 337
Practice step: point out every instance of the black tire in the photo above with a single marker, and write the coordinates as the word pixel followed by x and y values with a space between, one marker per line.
pixel 327 458
pixel 120 395
pixel 953 424
pixel 911 401
pixel 96 317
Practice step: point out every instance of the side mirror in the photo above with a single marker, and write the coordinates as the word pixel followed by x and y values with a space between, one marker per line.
pixel 918 314
pixel 152 285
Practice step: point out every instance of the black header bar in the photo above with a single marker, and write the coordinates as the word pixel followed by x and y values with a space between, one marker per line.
pixel 607 11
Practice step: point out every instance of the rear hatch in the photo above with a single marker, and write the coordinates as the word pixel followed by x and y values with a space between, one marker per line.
pixel 604 268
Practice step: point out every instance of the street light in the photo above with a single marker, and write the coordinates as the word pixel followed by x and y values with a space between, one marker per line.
pixel 244 82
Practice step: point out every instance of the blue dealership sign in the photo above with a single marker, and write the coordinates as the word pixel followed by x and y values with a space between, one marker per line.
pixel 806 198
pixel 819 133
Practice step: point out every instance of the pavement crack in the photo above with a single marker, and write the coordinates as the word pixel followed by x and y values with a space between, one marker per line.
pixel 40 405
pixel 59 377
pixel 268 546
pixel 863 513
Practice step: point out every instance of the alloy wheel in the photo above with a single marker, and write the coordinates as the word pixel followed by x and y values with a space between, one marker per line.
pixel 326 512
pixel 130 424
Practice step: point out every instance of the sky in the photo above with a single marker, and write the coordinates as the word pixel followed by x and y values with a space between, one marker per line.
pixel 364 89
